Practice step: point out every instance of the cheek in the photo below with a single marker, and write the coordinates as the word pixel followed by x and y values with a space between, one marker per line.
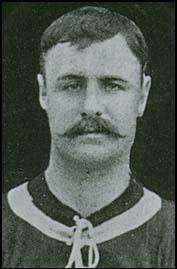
pixel 123 111
pixel 62 112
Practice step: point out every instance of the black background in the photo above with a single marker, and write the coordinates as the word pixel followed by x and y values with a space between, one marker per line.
pixel 26 136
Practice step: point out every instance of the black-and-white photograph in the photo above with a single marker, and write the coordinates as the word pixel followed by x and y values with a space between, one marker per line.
pixel 88 135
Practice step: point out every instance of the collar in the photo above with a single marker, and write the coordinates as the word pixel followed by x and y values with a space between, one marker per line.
pixel 48 203
pixel 33 209
pixel 33 202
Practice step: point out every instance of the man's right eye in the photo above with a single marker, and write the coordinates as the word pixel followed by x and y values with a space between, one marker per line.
pixel 71 86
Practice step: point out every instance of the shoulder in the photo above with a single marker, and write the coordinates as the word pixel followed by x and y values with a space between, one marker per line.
pixel 13 228
pixel 9 224
pixel 166 216
pixel 7 213
pixel 162 225
pixel 9 218
pixel 168 211
pixel 164 219
pixel 160 231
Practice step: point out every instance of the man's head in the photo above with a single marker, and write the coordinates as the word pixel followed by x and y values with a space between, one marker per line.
pixel 93 84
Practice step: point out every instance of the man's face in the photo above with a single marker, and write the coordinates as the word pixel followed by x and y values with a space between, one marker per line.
pixel 92 97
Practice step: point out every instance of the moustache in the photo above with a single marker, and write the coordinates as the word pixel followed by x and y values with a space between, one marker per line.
pixel 93 125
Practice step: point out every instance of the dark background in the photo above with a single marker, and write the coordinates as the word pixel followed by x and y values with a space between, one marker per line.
pixel 26 136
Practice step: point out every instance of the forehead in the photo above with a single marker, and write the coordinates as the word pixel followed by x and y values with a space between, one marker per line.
pixel 111 57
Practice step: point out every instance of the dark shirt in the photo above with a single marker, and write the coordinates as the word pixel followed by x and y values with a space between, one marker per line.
pixel 150 245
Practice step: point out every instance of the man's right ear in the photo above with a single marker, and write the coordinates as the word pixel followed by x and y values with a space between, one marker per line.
pixel 42 91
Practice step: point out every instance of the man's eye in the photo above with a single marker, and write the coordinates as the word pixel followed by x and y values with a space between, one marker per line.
pixel 72 87
pixel 115 87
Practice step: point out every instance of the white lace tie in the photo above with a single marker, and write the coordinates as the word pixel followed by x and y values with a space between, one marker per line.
pixel 78 241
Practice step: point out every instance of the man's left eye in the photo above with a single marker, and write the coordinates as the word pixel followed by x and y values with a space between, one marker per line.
pixel 115 87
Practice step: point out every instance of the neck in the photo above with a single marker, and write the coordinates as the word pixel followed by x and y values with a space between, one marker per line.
pixel 83 189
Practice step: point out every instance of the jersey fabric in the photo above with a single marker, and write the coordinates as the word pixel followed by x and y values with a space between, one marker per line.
pixel 134 231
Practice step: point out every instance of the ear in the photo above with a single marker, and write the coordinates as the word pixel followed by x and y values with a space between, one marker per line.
pixel 146 85
pixel 42 91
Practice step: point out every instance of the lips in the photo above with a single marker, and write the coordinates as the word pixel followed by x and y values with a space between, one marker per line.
pixel 93 131
pixel 92 138
pixel 92 127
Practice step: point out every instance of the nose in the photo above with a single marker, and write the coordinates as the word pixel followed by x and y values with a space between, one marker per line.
pixel 92 104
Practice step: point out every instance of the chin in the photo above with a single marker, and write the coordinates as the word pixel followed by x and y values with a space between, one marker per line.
pixel 93 150
pixel 92 154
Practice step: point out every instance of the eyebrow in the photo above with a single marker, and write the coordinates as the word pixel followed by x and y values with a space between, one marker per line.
pixel 70 77
pixel 81 76
pixel 113 78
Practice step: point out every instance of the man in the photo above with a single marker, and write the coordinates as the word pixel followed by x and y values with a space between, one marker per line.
pixel 86 210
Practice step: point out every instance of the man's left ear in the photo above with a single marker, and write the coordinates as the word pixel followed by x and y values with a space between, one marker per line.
pixel 146 85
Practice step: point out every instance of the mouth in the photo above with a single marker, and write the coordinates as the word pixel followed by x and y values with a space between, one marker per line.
pixel 92 131
pixel 93 134
pixel 92 138
pixel 95 131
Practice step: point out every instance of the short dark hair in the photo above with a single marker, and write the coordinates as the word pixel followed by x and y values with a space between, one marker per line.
pixel 87 25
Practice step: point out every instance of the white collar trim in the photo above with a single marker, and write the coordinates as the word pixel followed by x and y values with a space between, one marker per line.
pixel 20 202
